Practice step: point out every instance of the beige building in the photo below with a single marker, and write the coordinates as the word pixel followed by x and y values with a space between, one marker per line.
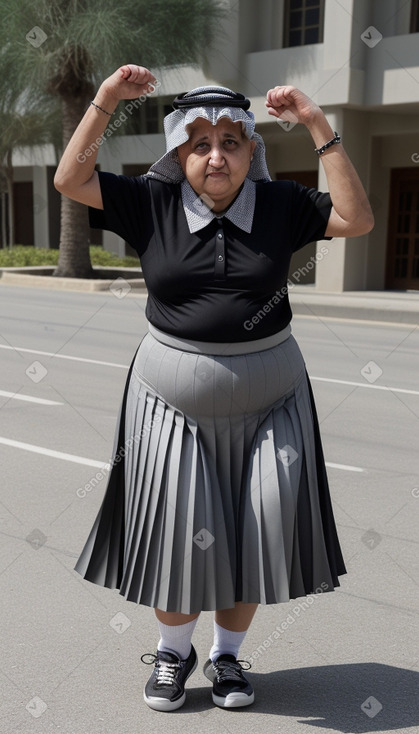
pixel 359 60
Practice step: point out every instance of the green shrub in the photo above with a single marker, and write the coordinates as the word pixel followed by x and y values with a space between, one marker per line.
pixel 21 256
pixel 99 256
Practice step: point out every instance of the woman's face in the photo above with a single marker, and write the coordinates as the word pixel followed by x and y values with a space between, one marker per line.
pixel 216 160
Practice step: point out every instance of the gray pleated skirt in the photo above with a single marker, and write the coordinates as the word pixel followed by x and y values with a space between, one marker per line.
pixel 218 490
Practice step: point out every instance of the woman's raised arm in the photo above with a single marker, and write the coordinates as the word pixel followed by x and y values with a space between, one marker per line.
pixel 351 214
pixel 75 176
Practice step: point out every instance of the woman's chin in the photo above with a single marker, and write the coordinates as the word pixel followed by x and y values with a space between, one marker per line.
pixel 218 190
pixel 217 187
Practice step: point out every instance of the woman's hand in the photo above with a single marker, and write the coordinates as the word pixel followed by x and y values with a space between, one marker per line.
pixel 291 105
pixel 351 213
pixel 128 82
pixel 76 176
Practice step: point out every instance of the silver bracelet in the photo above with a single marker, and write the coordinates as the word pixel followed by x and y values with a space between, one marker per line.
pixel 333 141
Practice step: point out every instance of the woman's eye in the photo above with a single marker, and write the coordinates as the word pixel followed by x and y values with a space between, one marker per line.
pixel 204 146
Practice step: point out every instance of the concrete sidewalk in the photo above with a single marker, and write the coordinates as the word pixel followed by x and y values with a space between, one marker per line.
pixel 387 306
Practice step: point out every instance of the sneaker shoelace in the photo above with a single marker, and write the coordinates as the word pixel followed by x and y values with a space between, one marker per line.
pixel 227 670
pixel 165 671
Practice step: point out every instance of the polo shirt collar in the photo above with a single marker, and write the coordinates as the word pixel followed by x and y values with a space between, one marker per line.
pixel 198 214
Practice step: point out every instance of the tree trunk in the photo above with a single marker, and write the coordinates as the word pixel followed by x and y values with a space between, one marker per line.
pixel 3 220
pixel 11 208
pixel 3 212
pixel 74 257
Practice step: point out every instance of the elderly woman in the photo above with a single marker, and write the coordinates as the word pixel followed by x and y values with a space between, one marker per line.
pixel 218 496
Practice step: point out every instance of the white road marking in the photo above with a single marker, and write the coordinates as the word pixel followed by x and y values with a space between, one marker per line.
pixel 126 366
pixel 52 453
pixel 64 356
pixel 28 398
pixel 362 384
pixel 344 467
pixel 103 464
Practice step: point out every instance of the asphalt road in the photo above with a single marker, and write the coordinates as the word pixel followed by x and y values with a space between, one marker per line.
pixel 70 651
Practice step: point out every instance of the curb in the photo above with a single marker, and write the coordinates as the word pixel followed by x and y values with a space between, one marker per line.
pixel 41 277
pixel 360 308
pixel 358 314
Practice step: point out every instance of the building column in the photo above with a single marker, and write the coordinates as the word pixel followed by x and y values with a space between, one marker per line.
pixel 113 243
pixel 344 266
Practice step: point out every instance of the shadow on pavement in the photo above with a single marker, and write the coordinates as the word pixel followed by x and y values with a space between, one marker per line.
pixel 353 698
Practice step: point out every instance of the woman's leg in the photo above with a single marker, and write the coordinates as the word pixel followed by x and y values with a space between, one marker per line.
pixel 174 618
pixel 230 687
pixel 230 627
pixel 176 632
pixel 175 661
pixel 238 618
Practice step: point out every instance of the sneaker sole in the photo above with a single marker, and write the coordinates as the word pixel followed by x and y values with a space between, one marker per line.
pixel 163 704
pixel 233 700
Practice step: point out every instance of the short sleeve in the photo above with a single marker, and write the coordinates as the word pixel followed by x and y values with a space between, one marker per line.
pixel 126 208
pixel 310 215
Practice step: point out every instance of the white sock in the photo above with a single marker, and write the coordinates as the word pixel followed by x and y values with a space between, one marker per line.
pixel 226 642
pixel 176 638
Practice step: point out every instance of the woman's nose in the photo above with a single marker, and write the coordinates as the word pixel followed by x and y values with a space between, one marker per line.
pixel 216 156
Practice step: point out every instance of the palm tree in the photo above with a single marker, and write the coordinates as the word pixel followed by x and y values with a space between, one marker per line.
pixel 65 48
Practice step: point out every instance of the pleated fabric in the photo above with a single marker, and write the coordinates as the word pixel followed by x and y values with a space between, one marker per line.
pixel 218 491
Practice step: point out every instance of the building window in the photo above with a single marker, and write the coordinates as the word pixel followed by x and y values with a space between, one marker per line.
pixel 151 116
pixel 303 22
pixel 148 118
pixel 414 18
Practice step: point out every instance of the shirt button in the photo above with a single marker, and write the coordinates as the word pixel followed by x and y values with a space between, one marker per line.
pixel 220 236
pixel 220 258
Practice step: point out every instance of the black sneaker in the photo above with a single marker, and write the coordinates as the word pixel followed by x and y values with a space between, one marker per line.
pixel 165 689
pixel 230 687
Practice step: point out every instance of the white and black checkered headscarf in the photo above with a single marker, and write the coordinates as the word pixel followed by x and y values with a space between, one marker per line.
pixel 210 103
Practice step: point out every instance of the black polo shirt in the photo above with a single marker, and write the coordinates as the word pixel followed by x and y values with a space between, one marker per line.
pixel 221 283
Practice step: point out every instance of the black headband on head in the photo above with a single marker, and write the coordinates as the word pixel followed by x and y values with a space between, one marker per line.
pixel 214 96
